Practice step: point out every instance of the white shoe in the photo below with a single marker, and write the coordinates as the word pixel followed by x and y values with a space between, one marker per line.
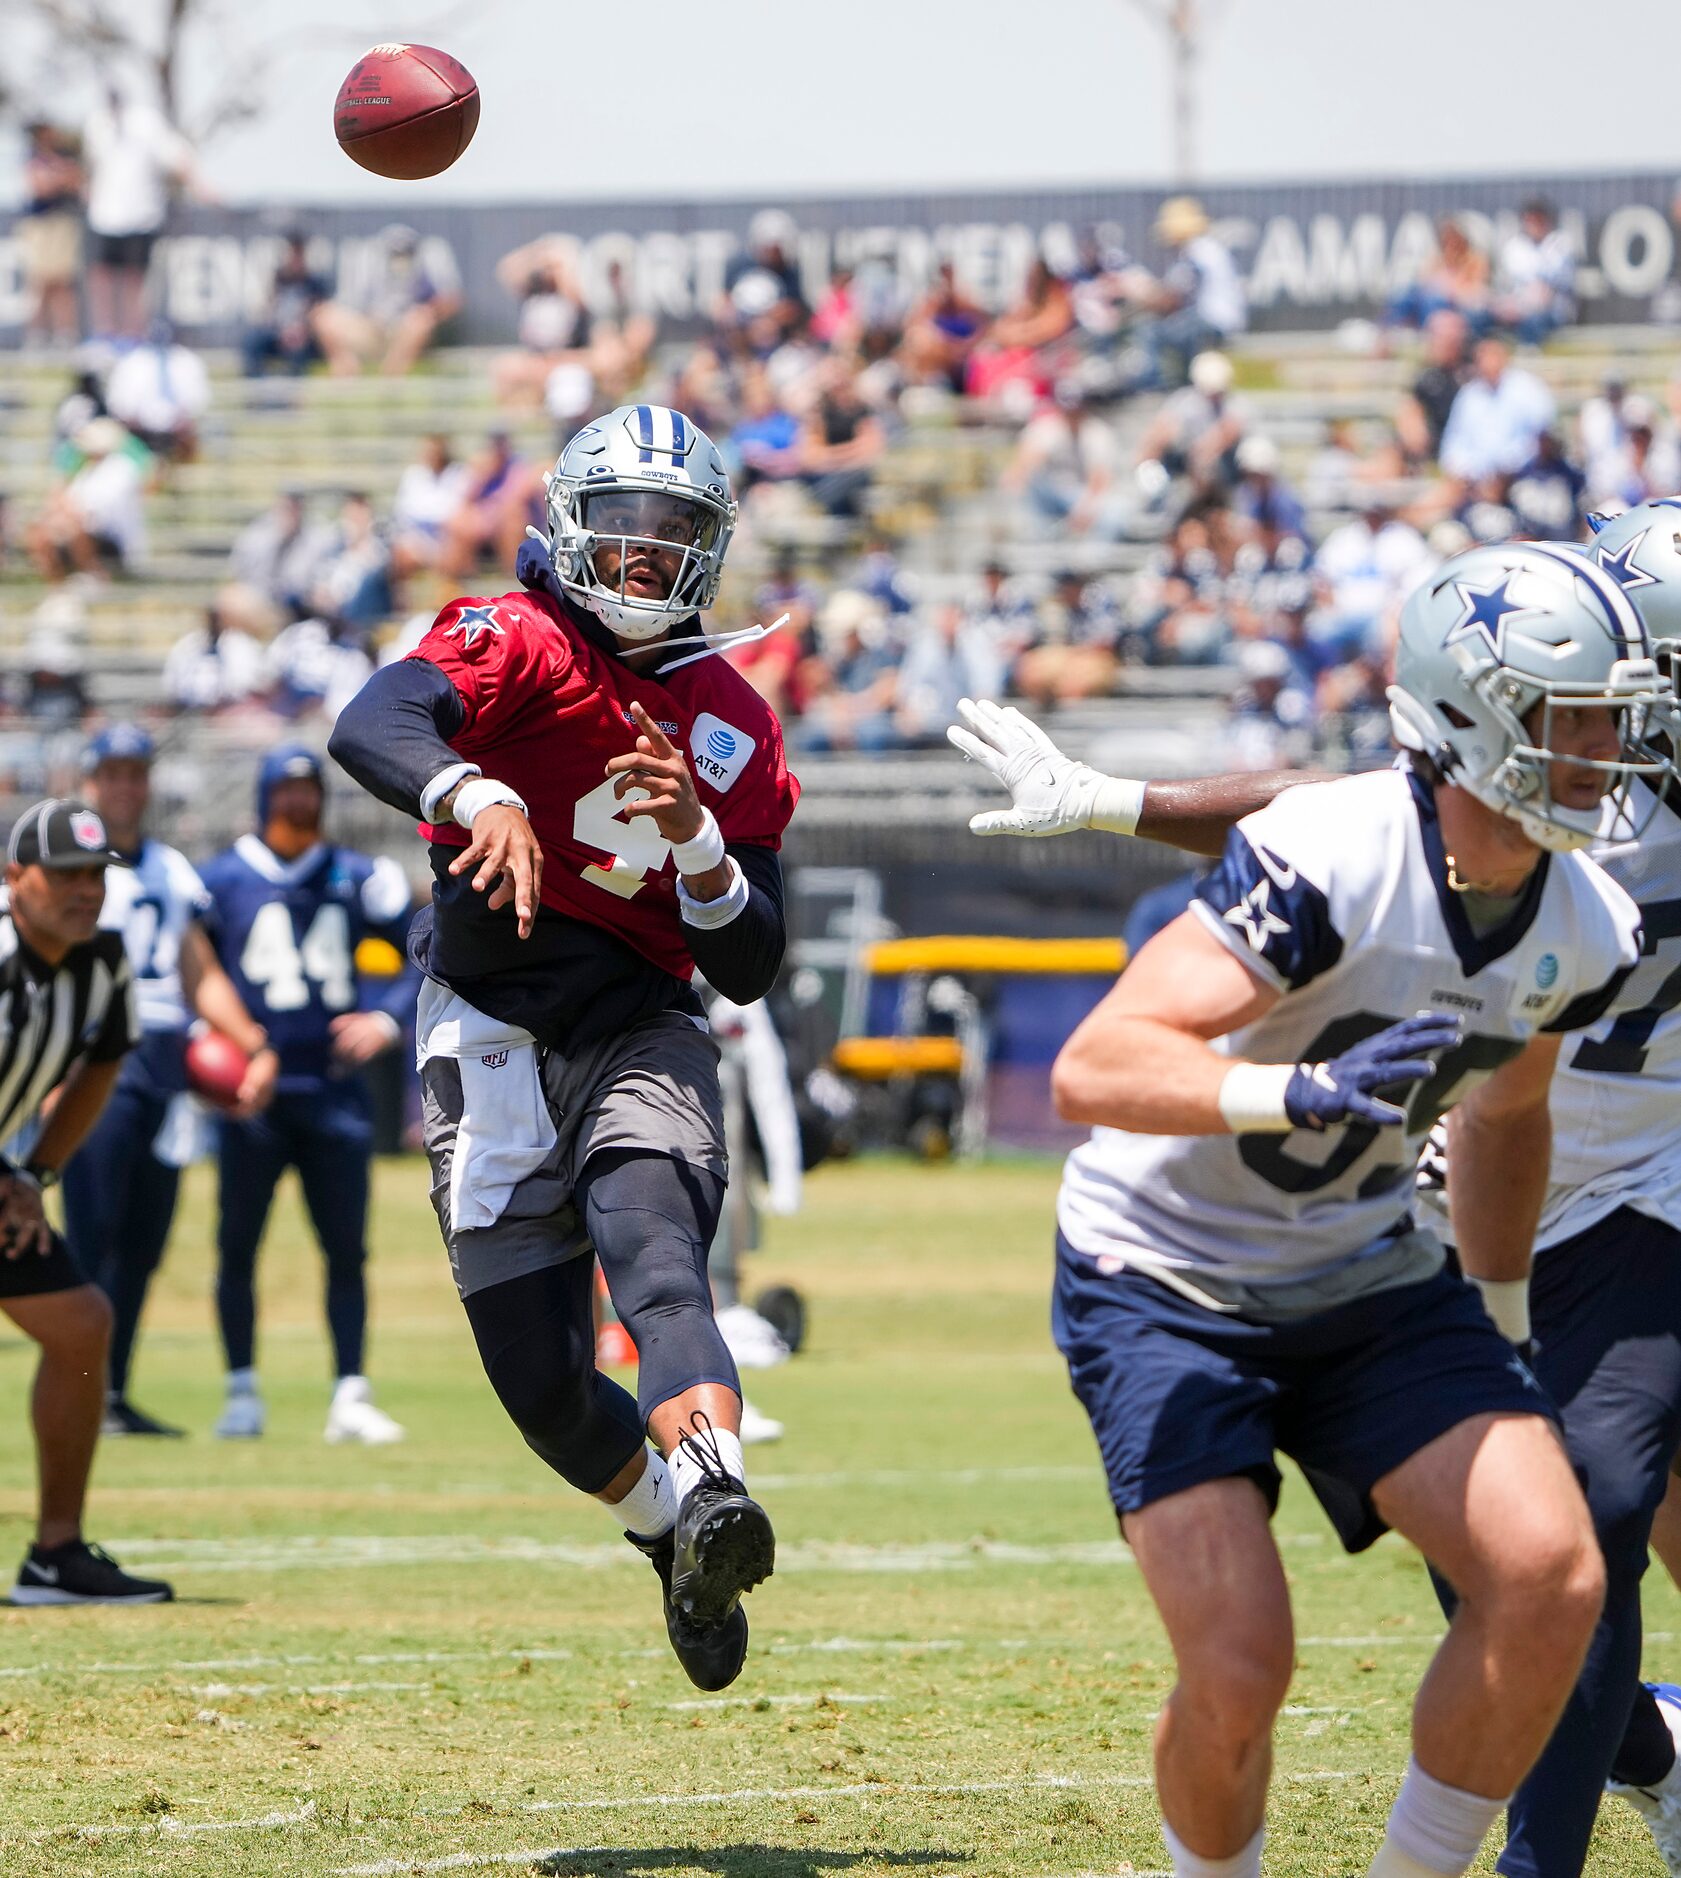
pixel 757 1426
pixel 242 1417
pixel 752 1340
pixel 1660 1806
pixel 353 1416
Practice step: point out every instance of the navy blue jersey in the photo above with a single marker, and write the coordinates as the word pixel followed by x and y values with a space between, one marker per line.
pixel 287 932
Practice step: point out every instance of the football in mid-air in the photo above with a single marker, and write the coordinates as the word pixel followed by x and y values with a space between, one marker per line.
pixel 406 111
pixel 216 1067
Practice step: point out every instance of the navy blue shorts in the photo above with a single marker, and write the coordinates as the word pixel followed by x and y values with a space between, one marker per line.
pixel 1179 1394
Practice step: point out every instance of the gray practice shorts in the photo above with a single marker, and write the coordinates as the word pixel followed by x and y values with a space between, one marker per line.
pixel 653 1089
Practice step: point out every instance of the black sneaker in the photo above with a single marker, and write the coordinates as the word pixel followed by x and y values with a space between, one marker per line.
pixel 123 1418
pixel 711 1656
pixel 723 1540
pixel 79 1573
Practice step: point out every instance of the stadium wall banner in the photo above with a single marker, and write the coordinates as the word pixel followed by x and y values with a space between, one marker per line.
pixel 1313 254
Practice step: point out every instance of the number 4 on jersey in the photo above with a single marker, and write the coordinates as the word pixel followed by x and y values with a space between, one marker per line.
pixel 273 959
pixel 637 847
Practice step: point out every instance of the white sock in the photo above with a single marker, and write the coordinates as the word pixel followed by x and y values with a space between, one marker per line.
pixel 1434 1831
pixel 1189 1864
pixel 242 1382
pixel 687 1473
pixel 650 1508
pixel 353 1386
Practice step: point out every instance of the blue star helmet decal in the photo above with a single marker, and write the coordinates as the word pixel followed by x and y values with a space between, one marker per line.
pixel 1620 565
pixel 473 621
pixel 1486 611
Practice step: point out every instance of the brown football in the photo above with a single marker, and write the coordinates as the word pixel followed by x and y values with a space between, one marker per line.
pixel 406 111
pixel 216 1067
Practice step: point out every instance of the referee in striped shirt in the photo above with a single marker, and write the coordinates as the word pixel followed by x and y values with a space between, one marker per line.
pixel 67 1019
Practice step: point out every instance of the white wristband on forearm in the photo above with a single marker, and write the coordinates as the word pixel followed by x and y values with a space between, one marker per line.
pixel 1117 806
pixel 441 785
pixel 703 852
pixel 709 914
pixel 484 792
pixel 1507 1301
pixel 1252 1098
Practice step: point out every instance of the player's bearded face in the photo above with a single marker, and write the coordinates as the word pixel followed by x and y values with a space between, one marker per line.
pixel 297 802
pixel 641 536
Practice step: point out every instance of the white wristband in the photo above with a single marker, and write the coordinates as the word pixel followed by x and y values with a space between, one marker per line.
pixel 702 852
pixel 1507 1301
pixel 441 785
pixel 1252 1098
pixel 709 914
pixel 1117 806
pixel 483 792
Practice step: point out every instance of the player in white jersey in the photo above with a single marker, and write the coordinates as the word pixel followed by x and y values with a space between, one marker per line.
pixel 120 1187
pixel 1376 1369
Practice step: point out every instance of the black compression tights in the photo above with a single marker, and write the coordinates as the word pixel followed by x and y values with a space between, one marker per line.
pixel 651 1220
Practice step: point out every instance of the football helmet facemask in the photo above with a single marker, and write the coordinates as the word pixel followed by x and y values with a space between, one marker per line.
pixel 1497 632
pixel 644 484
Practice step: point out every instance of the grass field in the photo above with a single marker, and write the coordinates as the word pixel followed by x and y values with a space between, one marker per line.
pixel 435 1658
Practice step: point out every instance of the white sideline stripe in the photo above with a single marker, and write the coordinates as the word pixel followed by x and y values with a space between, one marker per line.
pixel 457 1861
pixel 353 1552
pixel 296 1688
pixel 816 1698
pixel 180 1664
pixel 306 1814
pixel 921 1476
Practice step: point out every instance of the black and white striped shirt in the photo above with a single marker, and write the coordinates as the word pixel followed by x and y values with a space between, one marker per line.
pixel 52 1014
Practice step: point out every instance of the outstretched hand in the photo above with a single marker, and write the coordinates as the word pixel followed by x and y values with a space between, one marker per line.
pixel 509 859
pixel 654 780
pixel 1051 793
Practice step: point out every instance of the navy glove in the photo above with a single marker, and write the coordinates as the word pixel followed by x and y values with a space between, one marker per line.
pixel 532 567
pixel 1321 1095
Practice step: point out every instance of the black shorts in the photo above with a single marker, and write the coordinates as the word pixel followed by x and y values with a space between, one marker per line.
pixel 32 1276
pixel 123 250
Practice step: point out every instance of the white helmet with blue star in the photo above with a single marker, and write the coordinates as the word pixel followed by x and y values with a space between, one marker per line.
pixel 639 502
pixel 1641 551
pixel 1497 632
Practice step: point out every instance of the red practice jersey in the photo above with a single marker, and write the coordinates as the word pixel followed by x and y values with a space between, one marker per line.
pixel 546 709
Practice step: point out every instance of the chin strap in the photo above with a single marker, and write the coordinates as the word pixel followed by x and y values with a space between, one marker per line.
pixel 712 643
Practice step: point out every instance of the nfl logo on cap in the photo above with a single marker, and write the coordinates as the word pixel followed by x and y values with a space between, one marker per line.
pixel 87 830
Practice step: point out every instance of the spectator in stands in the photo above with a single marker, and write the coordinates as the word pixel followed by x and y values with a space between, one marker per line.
pixel 219 665
pixel 941 332
pixel 1262 497
pixel 495 493
pixel 762 303
pixel 1196 432
pixel 1456 277
pixel 315 666
pixel 850 686
pixel 1602 435
pixel 1367 568
pixel 766 443
pixel 1269 723
pixel 841 443
pixel 1422 415
pixel 1075 653
pixel 93 523
pixel 947 657
pixel 622 339
pixel 299 323
pixel 429 492
pixel 1546 495
pixel 353 585
pixel 1537 283
pixel 280 553
pixel 49 687
pixel 772 666
pixel 1336 468
pixel 133 156
pixel 49 235
pixel 160 390
pixel 1066 462
pixel 1646 465
pixel 553 323
pixel 1198 303
pixel 1497 418
pixel 879 574
pixel 407 293
pixel 1012 358
pixel 1180 607
pixel 1003 613
pixel 1353 707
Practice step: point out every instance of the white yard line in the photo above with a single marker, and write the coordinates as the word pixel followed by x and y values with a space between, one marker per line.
pixel 816 1699
pixel 180 1665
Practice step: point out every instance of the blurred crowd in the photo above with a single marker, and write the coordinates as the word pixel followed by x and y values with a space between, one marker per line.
pixel 1144 517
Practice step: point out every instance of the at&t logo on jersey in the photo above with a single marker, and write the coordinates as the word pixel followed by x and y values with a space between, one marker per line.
pixel 719 751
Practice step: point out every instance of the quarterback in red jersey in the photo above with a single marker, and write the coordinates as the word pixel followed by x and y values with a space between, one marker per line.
pixel 604 799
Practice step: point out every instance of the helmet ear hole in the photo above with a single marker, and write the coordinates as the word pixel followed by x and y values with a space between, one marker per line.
pixel 1453 714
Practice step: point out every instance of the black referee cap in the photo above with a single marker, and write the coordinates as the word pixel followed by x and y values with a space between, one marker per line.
pixel 61 834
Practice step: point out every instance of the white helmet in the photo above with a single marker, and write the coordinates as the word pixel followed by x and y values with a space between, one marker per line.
pixel 642 475
pixel 1497 631
pixel 1641 551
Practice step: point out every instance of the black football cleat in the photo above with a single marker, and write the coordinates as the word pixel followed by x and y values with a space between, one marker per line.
pixel 711 1656
pixel 723 1541
pixel 123 1418
pixel 79 1573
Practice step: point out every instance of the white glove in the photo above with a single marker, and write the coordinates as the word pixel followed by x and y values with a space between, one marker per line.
pixel 1051 793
